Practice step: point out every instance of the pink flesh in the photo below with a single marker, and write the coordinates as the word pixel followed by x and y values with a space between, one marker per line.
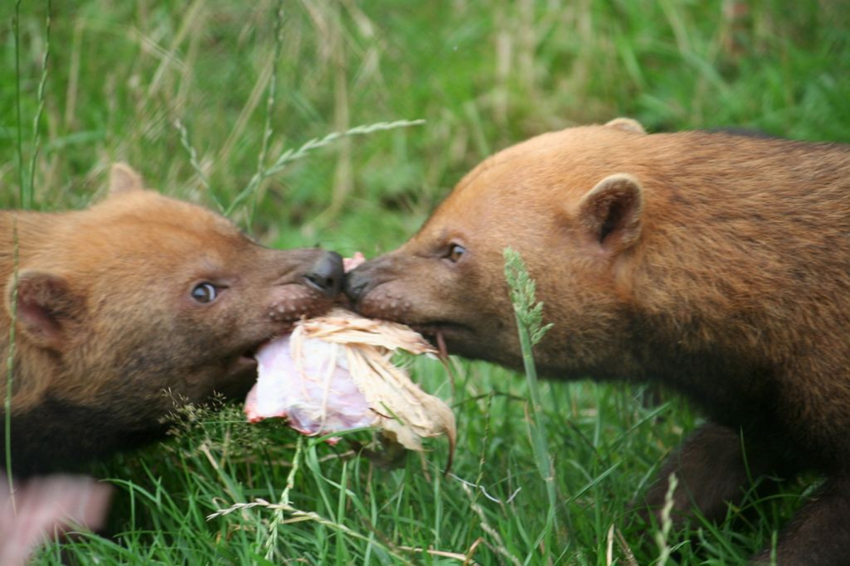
pixel 350 263
pixel 318 398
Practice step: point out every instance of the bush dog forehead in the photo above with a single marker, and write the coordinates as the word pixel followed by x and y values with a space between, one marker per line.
pixel 546 186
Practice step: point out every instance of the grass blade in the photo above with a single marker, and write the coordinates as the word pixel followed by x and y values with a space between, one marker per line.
pixel 27 198
pixel 10 360
pixel 268 130
pixel 529 317
pixel 291 155
pixel 16 32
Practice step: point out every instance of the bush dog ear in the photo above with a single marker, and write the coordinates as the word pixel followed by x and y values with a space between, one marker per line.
pixel 45 307
pixel 611 212
pixel 123 179
pixel 627 125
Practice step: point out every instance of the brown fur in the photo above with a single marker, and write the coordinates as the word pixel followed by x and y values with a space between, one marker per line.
pixel 108 333
pixel 715 263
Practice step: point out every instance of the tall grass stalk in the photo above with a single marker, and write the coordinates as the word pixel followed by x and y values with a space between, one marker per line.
pixel 10 359
pixel 529 319
pixel 291 155
pixel 662 536
pixel 16 32
pixel 271 541
pixel 498 544
pixel 268 129
pixel 193 161
pixel 27 199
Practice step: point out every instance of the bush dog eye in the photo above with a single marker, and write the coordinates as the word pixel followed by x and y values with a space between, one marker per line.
pixel 205 293
pixel 456 251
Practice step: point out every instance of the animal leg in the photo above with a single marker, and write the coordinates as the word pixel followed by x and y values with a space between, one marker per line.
pixel 819 534
pixel 713 468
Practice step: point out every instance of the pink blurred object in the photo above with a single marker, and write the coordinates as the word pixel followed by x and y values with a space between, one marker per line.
pixel 46 507
pixel 350 263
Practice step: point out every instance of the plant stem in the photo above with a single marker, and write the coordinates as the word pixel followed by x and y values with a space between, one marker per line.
pixel 271 542
pixel 28 198
pixel 291 155
pixel 17 33
pixel 537 427
pixel 529 319
pixel 10 360
pixel 268 130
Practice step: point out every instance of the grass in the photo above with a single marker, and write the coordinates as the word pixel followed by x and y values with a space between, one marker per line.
pixel 529 320
pixel 204 97
pixel 10 362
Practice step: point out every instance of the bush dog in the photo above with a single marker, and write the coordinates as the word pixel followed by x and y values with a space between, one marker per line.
pixel 715 263
pixel 127 306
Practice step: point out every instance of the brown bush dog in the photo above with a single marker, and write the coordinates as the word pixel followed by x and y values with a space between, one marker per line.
pixel 715 263
pixel 129 305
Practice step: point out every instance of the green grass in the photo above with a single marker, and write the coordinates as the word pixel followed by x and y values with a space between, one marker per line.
pixel 120 78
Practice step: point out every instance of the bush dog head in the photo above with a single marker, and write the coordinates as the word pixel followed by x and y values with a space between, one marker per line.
pixel 718 264
pixel 575 233
pixel 136 302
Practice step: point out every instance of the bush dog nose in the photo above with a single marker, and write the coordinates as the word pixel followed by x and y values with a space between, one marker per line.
pixel 355 284
pixel 326 274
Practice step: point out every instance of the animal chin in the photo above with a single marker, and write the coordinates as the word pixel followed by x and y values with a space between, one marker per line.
pixel 444 335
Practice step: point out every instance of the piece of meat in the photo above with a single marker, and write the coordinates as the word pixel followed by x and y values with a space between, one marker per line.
pixel 334 373
pixel 315 394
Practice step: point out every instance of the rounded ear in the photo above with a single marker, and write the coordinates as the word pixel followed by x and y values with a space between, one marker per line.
pixel 610 214
pixel 627 125
pixel 123 179
pixel 46 307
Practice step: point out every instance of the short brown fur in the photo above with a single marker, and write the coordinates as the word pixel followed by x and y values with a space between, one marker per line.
pixel 718 264
pixel 108 334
